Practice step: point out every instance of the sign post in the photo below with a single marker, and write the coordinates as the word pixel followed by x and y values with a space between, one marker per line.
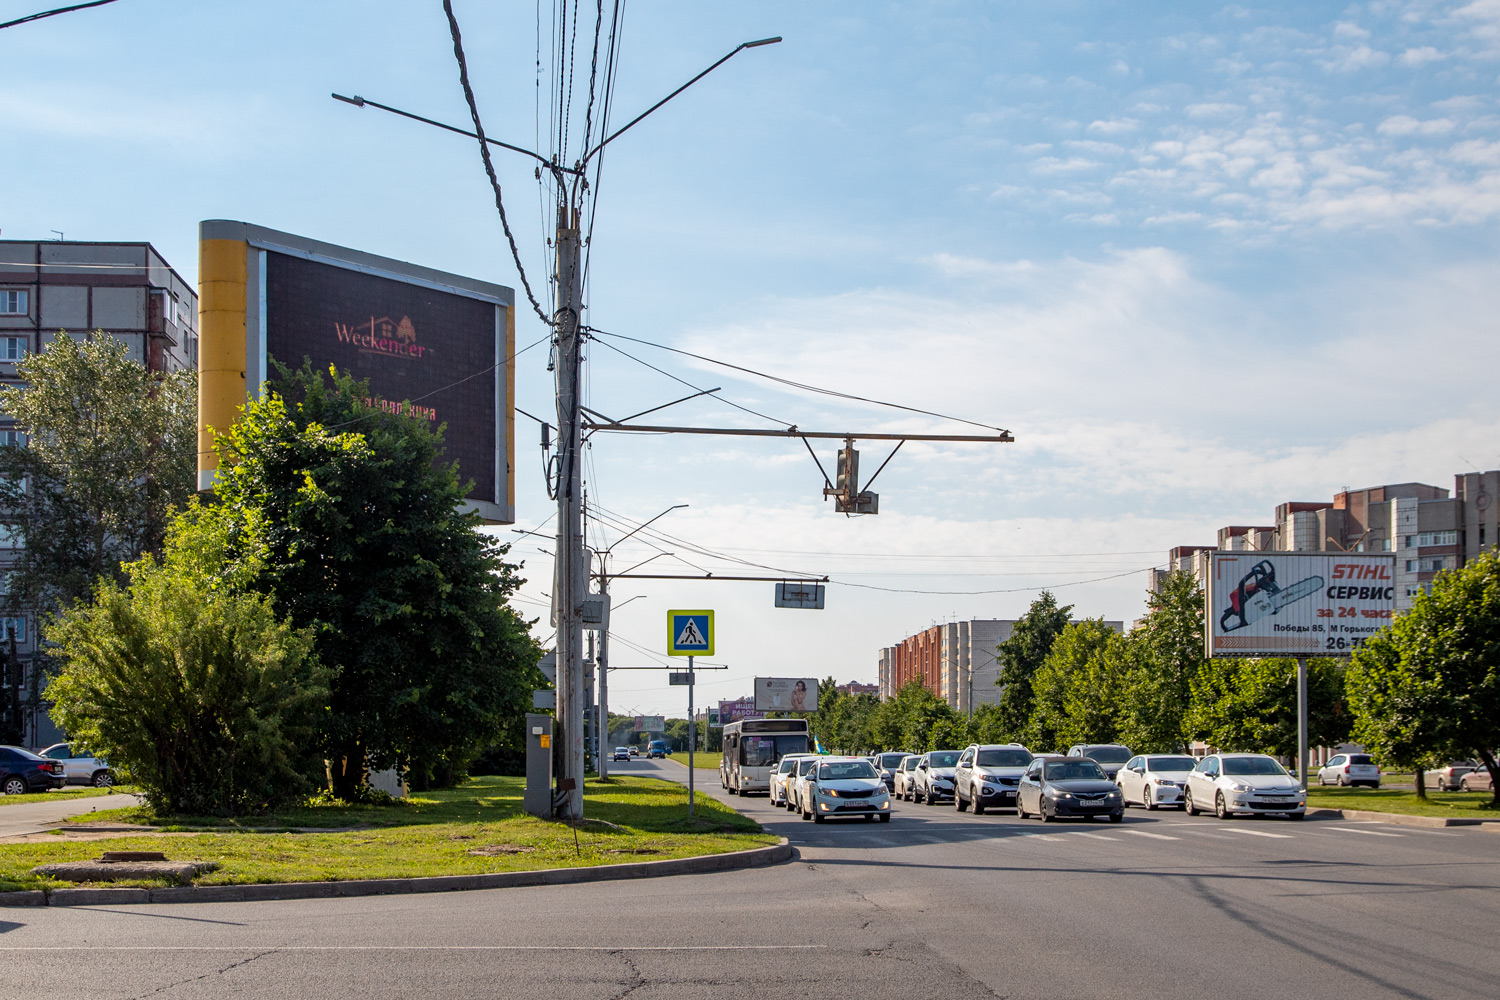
pixel 690 633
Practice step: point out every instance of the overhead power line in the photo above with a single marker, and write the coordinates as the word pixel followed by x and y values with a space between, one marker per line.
pixel 53 13
pixel 798 385
pixel 484 153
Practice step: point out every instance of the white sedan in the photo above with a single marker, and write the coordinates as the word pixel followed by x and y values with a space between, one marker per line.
pixel 1230 783
pixel 783 775
pixel 845 787
pixel 1153 780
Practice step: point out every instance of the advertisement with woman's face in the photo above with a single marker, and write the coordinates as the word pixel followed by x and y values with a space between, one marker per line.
pixel 786 694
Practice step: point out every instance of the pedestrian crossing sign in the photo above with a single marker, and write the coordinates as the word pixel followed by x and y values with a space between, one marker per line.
pixel 690 633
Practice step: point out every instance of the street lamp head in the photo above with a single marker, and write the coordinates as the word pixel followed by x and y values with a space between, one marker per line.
pixel 356 100
pixel 763 41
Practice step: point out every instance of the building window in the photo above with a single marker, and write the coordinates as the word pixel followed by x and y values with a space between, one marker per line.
pixel 14 302
pixel 1431 538
pixel 16 624
pixel 1411 566
pixel 12 439
pixel 14 348
pixel 1481 536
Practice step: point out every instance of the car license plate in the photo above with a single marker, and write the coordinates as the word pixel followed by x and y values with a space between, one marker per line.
pixel 1279 798
pixel 857 802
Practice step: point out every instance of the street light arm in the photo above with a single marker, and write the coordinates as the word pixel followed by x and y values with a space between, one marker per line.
pixel 360 102
pixel 638 527
pixel 630 124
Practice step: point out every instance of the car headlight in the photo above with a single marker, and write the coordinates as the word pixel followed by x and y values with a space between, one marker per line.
pixel 1114 793
pixel 1235 786
pixel 1059 794
pixel 829 791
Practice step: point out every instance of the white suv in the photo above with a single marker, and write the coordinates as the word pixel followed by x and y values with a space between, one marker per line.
pixel 988 775
pixel 81 768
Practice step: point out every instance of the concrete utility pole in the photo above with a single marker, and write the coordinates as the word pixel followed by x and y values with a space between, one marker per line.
pixel 572 567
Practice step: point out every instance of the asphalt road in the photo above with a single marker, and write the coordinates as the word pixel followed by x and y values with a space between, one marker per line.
pixel 35 817
pixel 934 904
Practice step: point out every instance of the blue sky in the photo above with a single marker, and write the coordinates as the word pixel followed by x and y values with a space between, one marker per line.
pixel 1200 259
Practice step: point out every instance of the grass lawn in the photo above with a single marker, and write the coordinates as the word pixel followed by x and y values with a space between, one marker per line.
pixel 476 828
pixel 1462 805
pixel 61 795
pixel 701 759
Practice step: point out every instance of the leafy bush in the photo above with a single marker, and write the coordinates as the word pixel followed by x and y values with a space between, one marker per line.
pixel 191 682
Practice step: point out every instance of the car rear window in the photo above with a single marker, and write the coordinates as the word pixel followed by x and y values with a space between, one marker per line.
pixel 1360 758
pixel 1108 755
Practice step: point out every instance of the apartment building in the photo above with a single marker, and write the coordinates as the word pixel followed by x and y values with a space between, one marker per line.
pixel 53 288
pixel 1428 529
pixel 957 661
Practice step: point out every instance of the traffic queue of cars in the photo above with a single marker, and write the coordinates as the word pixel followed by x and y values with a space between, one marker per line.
pixel 1090 780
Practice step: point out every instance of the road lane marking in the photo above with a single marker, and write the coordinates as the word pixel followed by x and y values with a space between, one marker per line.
pixel 422 947
pixel 1368 833
pixel 1154 836
pixel 1261 833
pixel 1095 836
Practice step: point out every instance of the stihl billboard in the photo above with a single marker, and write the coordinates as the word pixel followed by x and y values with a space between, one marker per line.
pixel 1303 604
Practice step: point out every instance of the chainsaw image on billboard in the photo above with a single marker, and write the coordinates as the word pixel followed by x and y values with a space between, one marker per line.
pixel 1324 604
pixel 1259 595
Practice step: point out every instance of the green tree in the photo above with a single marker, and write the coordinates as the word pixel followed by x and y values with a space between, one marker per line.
pixel 367 545
pixel 191 682
pixel 1021 657
pixel 1095 696
pixel 1251 705
pixel 1429 684
pixel 906 721
pixel 1168 653
pixel 110 449
pixel 1061 684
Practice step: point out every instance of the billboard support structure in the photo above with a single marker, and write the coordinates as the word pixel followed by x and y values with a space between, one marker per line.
pixel 1299 604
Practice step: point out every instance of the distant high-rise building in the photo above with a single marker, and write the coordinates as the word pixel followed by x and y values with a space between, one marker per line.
pixel 68 288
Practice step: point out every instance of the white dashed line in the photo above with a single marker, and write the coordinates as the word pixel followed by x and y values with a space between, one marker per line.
pixel 1260 833
pixel 1094 836
pixel 1369 833
pixel 1154 836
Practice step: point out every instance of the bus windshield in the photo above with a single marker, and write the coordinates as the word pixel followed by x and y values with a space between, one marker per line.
pixel 763 751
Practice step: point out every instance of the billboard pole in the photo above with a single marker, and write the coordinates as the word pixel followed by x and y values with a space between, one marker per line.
pixel 572 574
pixel 692 736
pixel 1302 721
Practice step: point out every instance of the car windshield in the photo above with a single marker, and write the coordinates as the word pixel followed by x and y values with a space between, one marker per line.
pixel 1002 758
pixel 890 760
pixel 788 765
pixel 1073 770
pixel 1108 755
pixel 1170 763
pixel 763 751
pixel 945 759
pixel 1253 765
pixel 844 769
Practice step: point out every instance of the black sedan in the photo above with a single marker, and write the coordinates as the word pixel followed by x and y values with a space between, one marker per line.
pixel 1056 787
pixel 22 771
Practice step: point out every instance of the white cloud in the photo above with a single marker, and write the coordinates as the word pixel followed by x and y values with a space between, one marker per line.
pixel 1407 125
pixel 1114 126
pixel 1213 110
pixel 1419 57
pixel 1353 60
pixel 1057 165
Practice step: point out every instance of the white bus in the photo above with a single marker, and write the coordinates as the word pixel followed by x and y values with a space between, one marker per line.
pixel 752 747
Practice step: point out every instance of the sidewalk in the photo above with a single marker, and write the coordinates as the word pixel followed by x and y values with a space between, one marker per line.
pixel 37 817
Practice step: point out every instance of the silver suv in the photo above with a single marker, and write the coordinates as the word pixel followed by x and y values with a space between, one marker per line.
pixel 987 774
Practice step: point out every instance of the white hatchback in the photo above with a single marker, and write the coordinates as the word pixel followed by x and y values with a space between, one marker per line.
pixel 1153 780
pixel 1230 783
pixel 1350 769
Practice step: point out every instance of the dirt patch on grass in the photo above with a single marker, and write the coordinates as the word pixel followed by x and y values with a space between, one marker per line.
pixel 499 850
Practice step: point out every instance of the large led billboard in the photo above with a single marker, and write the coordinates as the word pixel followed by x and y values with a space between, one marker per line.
pixel 432 345
pixel 1302 604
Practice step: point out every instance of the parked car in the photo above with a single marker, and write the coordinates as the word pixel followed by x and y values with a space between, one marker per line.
pixel 1057 787
pixel 80 768
pixel 22 771
pixel 906 778
pixel 886 764
pixel 1110 756
pixel 622 753
pixel 1155 780
pixel 1448 778
pixel 935 770
pixel 784 773
pixel 842 787
pixel 796 785
pixel 1230 783
pixel 656 748
pixel 1477 780
pixel 1350 769
pixel 988 775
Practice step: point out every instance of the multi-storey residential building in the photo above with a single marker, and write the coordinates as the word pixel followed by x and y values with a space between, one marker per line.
pixel 957 661
pixel 1426 529
pixel 47 289
pixel 855 687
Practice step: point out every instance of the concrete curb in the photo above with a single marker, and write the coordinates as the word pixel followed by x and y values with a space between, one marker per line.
pixel 1402 819
pixel 755 858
